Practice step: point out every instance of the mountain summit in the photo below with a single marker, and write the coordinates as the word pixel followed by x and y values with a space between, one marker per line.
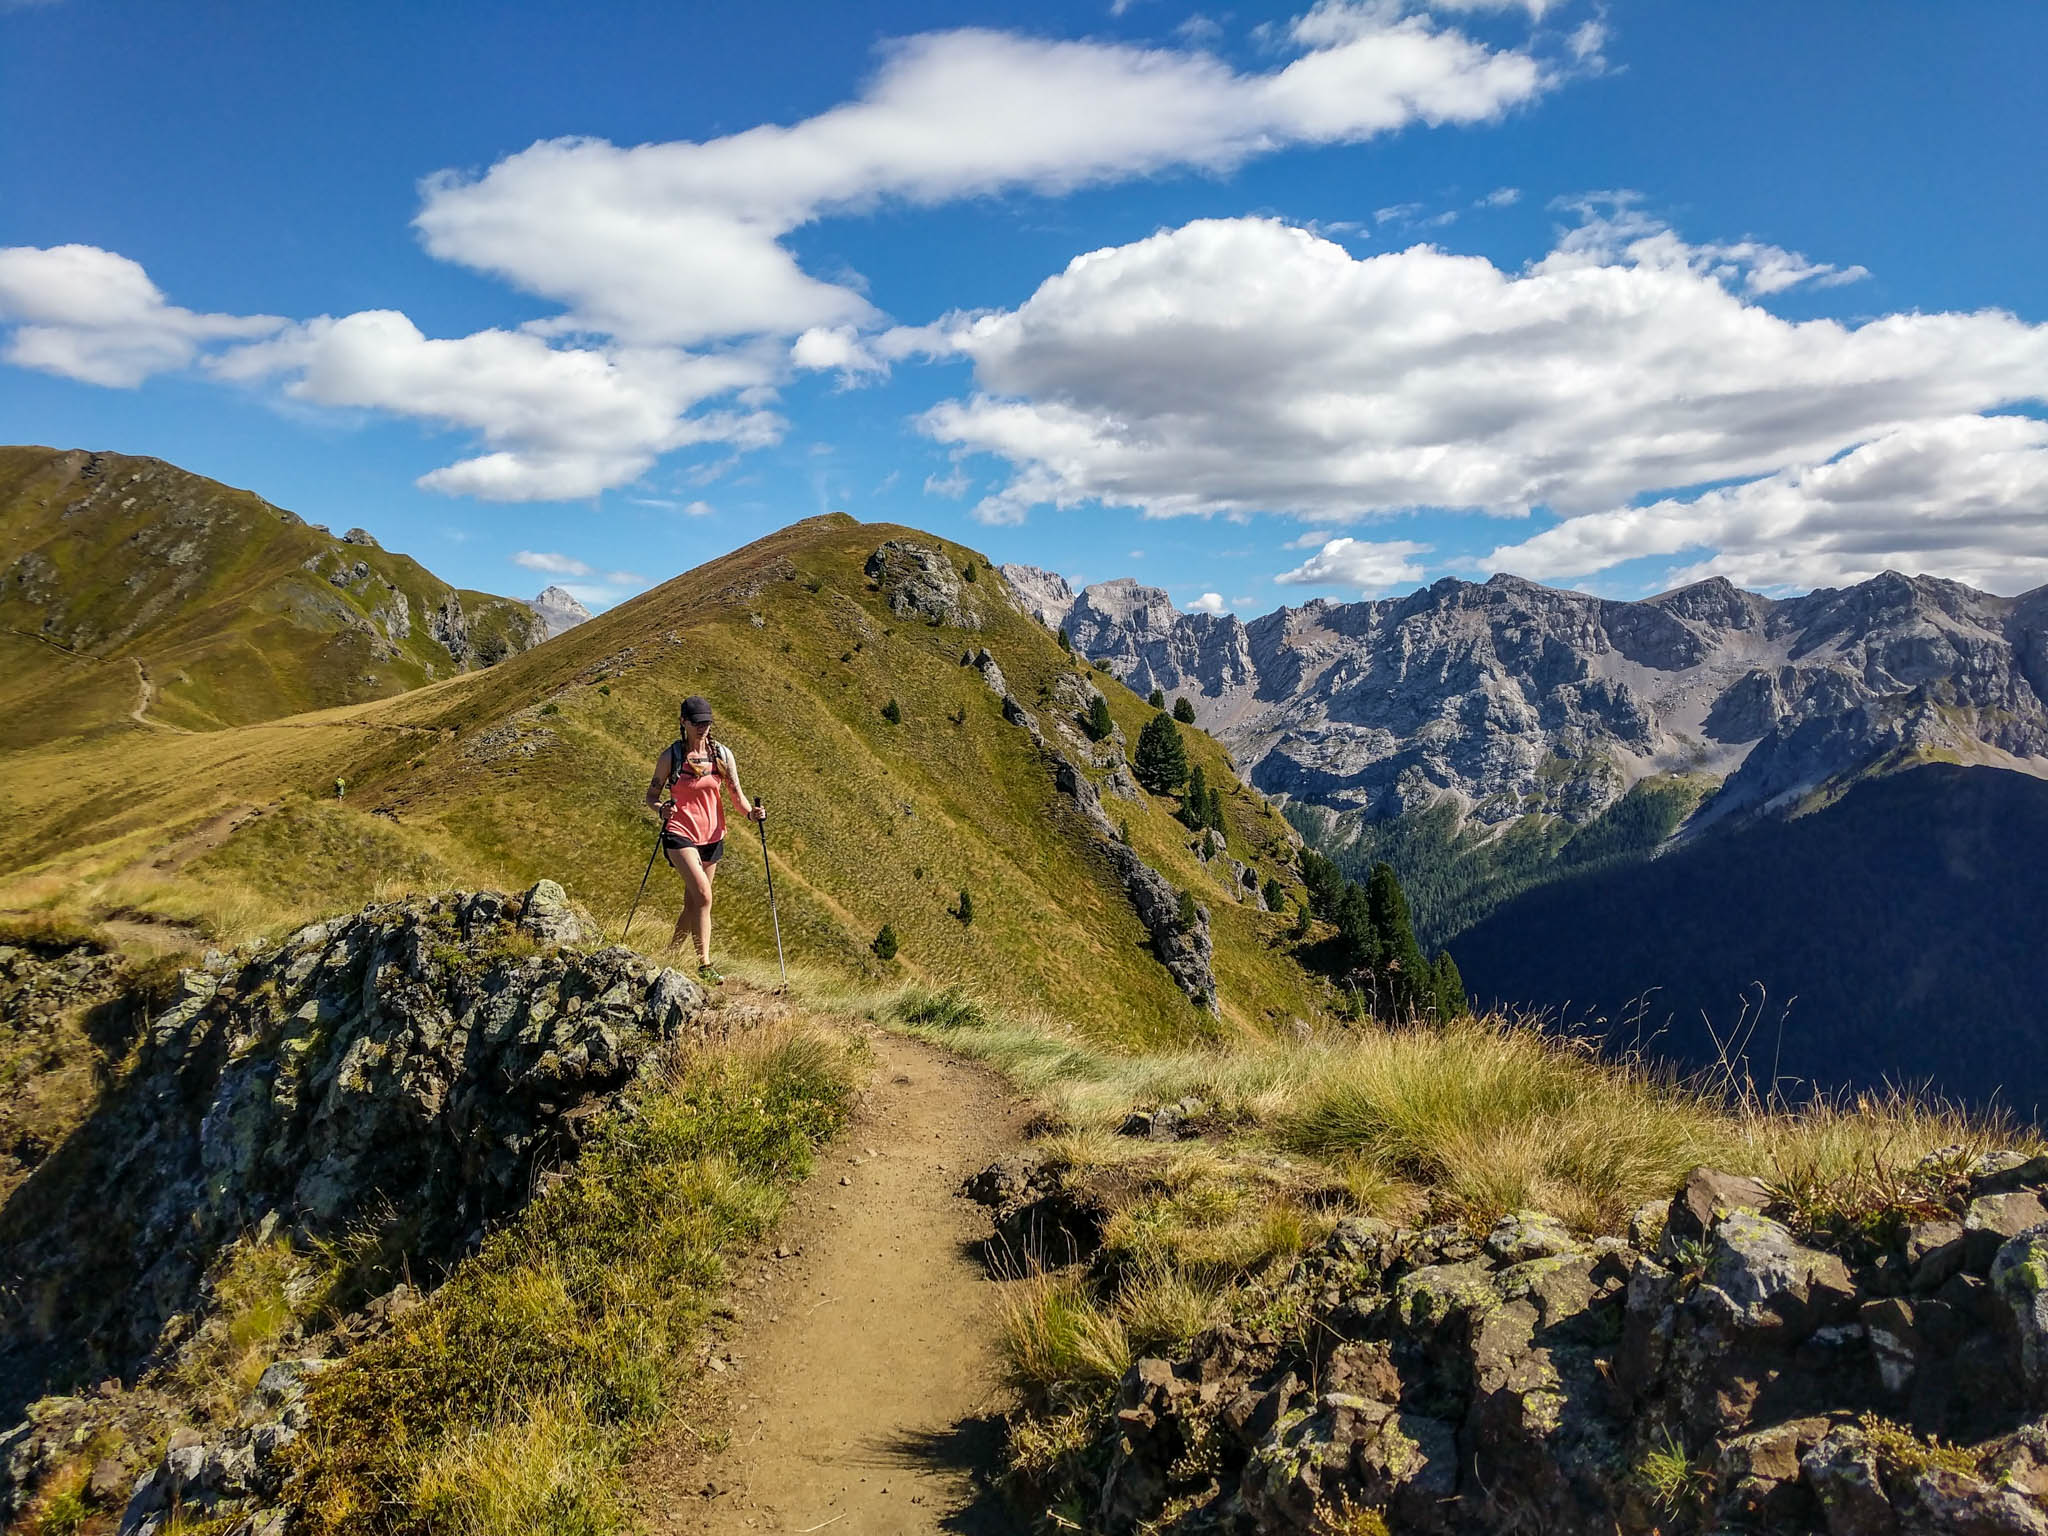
pixel 131 589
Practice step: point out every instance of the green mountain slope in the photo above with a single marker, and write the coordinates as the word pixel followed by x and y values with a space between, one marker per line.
pixel 130 589
pixel 537 767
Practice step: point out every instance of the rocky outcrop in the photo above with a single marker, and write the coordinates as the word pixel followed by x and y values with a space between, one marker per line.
pixel 1717 1373
pixel 411 1066
pixel 558 612
pixel 1509 697
pixel 1183 948
pixel 919 582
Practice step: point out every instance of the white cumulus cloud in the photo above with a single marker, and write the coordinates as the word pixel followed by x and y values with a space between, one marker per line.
pixel 1370 568
pixel 563 422
pixel 1960 496
pixel 680 242
pixel 1208 602
pixel 1243 365
pixel 92 315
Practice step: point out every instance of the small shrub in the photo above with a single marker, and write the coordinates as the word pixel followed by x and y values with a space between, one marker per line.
pixel 885 943
pixel 1098 723
pixel 605 689
pixel 551 708
pixel 969 573
pixel 965 911
pixel 1189 914
pixel 892 712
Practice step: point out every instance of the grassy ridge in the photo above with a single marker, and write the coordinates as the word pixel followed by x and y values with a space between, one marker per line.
pixel 536 767
pixel 237 611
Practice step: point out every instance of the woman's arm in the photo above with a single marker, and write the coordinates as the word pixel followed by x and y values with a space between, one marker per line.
pixel 657 787
pixel 730 772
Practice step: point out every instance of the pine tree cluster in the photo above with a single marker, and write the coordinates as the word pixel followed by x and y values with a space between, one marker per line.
pixel 1377 946
pixel 1202 807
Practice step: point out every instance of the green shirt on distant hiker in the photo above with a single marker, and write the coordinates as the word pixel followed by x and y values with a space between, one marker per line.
pixel 691 779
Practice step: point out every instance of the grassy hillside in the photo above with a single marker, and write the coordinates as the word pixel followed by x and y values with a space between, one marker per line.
pixel 132 590
pixel 537 767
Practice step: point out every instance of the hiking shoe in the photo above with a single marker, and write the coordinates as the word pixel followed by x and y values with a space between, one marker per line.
pixel 708 974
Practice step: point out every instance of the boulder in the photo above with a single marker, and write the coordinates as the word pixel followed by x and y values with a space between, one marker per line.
pixel 1705 1197
pixel 2019 1279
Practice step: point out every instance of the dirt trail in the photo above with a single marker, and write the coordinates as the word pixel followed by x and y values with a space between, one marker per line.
pixel 147 696
pixel 856 1387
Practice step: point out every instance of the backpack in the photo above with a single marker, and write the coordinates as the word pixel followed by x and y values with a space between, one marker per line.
pixel 676 753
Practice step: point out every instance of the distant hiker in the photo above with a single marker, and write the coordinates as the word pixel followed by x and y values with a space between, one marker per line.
pixel 688 792
pixel 340 787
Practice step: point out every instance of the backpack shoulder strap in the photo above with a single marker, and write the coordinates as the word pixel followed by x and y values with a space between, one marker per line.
pixel 675 762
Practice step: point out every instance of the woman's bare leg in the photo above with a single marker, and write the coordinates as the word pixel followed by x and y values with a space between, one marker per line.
pixel 704 912
pixel 695 921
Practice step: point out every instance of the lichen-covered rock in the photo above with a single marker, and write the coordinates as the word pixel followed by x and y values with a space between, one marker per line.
pixel 416 1060
pixel 1527 1383
pixel 2019 1279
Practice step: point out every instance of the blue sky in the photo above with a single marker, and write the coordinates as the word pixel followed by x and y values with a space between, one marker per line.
pixel 1264 303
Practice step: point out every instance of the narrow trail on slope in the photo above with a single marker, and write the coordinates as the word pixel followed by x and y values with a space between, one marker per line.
pixel 147 696
pixel 856 1389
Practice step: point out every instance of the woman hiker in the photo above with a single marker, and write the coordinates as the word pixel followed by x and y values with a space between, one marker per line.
pixel 691 775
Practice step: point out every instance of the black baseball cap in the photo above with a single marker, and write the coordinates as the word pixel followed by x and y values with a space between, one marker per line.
pixel 697 709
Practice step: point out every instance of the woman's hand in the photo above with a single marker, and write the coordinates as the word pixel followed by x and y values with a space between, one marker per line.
pixel 758 813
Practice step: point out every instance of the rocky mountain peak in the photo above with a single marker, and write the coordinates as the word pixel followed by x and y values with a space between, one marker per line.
pixel 1046 595
pixel 1509 697
pixel 558 611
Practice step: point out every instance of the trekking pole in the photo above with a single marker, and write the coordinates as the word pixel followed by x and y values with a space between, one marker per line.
pixel 769 870
pixel 656 849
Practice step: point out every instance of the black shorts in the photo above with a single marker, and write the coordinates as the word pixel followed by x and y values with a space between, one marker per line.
pixel 708 853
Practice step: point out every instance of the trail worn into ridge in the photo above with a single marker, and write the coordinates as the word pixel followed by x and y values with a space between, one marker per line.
pixel 856 1386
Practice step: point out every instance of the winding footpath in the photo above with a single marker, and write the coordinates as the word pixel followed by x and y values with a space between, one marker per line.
pixel 855 1387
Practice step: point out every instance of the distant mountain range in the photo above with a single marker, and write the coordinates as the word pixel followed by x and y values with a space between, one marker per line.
pixel 1472 732
pixel 132 590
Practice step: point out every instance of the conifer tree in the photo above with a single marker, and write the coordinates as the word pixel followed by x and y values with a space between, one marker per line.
pixel 1158 699
pixel 969 572
pixel 1214 809
pixel 1065 643
pixel 1355 928
pixel 885 943
pixel 1194 810
pixel 1183 711
pixel 1449 987
pixel 1099 722
pixel 1324 884
pixel 965 911
pixel 1411 981
pixel 1300 928
pixel 892 712
pixel 1161 761
pixel 1274 894
pixel 1189 913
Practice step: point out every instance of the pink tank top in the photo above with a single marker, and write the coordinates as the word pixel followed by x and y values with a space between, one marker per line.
pixel 697 810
